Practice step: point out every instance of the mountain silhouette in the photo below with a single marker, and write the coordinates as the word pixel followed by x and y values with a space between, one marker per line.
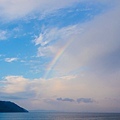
pixel 7 106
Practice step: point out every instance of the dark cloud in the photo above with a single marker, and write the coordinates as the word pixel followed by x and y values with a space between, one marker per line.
pixel 78 100
pixel 65 99
pixel 84 100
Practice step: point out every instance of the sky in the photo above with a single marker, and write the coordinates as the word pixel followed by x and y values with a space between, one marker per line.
pixel 60 55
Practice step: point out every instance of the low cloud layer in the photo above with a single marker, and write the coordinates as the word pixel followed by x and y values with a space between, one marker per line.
pixel 41 93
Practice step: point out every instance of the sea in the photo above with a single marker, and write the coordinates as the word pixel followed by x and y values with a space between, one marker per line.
pixel 59 116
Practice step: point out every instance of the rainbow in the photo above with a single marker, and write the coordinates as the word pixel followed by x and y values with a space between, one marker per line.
pixel 56 58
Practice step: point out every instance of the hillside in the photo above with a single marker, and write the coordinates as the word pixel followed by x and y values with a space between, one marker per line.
pixel 7 106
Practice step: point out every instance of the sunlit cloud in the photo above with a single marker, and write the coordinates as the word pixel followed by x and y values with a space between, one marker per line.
pixel 41 92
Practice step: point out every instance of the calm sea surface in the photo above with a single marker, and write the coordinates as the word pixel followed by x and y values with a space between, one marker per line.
pixel 59 116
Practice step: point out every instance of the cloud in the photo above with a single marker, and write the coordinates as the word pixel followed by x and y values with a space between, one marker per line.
pixel 45 51
pixel 84 100
pixel 3 35
pixel 10 59
pixel 90 64
pixel 41 93
pixel 17 9
pixel 95 48
pixel 82 45
pixel 65 99
pixel 47 40
pixel 38 40
pixel 89 39
pixel 20 8
pixel 14 84
pixel 93 55
pixel 78 100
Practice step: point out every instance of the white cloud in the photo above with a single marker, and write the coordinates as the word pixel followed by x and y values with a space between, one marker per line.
pixel 3 35
pixel 87 45
pixel 11 59
pixel 19 8
pixel 38 40
pixel 14 84
pixel 54 35
pixel 15 9
pixel 96 48
pixel 42 88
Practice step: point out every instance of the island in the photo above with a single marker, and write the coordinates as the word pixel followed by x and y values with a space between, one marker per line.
pixel 7 106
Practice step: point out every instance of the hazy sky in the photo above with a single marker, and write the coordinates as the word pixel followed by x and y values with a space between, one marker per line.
pixel 61 55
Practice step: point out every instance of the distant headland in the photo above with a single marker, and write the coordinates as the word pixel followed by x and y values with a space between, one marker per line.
pixel 7 106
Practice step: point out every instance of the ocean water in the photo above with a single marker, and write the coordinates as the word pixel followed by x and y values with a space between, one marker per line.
pixel 59 116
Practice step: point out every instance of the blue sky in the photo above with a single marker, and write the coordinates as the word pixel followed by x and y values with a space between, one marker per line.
pixel 17 37
pixel 62 53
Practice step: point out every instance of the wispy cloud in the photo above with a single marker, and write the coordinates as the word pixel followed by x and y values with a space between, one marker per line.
pixel 10 59
pixel 20 8
pixel 49 38
pixel 3 35
pixel 11 10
